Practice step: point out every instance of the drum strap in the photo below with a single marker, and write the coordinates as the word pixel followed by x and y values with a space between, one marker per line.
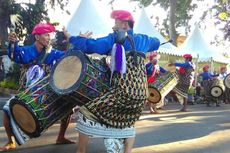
pixel 130 38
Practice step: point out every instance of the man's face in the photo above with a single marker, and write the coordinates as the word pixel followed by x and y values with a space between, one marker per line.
pixel 154 61
pixel 44 39
pixel 120 25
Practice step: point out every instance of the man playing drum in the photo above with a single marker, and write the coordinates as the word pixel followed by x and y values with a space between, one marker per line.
pixel 207 82
pixel 33 54
pixel 113 115
pixel 185 79
pixel 154 71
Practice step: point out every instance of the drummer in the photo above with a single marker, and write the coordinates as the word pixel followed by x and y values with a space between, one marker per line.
pixel 154 71
pixel 207 81
pixel 114 114
pixel 33 54
pixel 186 76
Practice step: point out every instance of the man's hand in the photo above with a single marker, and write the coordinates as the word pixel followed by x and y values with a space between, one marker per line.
pixel 12 37
pixel 87 34
pixel 66 33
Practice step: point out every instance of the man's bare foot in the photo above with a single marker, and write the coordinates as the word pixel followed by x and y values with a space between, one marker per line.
pixel 8 146
pixel 64 141
pixel 154 112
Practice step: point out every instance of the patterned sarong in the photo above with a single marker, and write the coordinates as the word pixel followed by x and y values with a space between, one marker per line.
pixel 184 83
pixel 207 84
pixel 121 107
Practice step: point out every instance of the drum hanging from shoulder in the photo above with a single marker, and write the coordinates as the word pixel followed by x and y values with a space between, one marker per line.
pixel 227 81
pixel 162 86
pixel 38 107
pixel 217 88
pixel 81 78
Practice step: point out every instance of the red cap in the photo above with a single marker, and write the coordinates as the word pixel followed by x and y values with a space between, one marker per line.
pixel 43 28
pixel 187 56
pixel 206 67
pixel 122 15
pixel 153 56
pixel 222 68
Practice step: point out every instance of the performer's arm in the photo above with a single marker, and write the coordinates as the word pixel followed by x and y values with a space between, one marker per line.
pixel 149 68
pixel 19 54
pixel 162 70
pixel 88 45
pixel 54 56
pixel 154 43
pixel 184 65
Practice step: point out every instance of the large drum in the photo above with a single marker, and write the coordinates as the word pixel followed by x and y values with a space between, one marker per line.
pixel 80 77
pixel 217 88
pixel 38 107
pixel 162 86
pixel 227 81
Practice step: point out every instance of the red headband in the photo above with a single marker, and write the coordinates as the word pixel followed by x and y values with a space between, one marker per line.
pixel 187 56
pixel 122 15
pixel 43 28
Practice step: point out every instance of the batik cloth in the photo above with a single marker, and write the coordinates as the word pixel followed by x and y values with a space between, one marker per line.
pixel 113 115
pixel 184 82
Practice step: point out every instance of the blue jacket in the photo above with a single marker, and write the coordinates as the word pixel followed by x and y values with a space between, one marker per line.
pixel 207 75
pixel 143 43
pixel 149 69
pixel 185 65
pixel 27 54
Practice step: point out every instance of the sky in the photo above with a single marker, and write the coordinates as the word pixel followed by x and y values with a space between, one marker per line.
pixel 104 10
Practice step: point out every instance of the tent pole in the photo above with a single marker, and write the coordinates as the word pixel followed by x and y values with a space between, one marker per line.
pixel 196 71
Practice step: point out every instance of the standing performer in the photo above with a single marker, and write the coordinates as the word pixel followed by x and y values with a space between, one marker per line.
pixel 185 79
pixel 226 95
pixel 114 114
pixel 207 81
pixel 154 71
pixel 32 54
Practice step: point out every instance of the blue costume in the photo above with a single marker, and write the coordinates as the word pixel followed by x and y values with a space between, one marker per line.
pixel 29 54
pixel 149 69
pixel 103 45
pixel 207 75
pixel 185 78
pixel 185 65
pixel 125 100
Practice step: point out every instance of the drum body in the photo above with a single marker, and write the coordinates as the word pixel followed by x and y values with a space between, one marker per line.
pixel 162 86
pixel 80 77
pixel 217 88
pixel 227 81
pixel 38 107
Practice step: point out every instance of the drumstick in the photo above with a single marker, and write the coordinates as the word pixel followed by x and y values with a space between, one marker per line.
pixel 169 41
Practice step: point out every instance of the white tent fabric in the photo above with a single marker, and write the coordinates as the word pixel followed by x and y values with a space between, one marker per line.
pixel 87 18
pixel 144 26
pixel 196 45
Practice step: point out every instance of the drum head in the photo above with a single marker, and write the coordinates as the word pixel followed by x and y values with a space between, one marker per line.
pixel 154 95
pixel 170 68
pixel 67 73
pixel 216 91
pixel 24 118
pixel 227 81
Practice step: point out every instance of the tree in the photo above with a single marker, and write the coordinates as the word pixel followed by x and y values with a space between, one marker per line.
pixel 221 13
pixel 28 15
pixel 179 12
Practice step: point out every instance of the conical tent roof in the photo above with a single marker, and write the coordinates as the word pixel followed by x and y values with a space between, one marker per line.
pixel 87 18
pixel 144 26
pixel 196 45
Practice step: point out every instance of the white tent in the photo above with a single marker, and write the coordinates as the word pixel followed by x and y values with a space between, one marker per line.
pixel 196 45
pixel 144 26
pixel 87 18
